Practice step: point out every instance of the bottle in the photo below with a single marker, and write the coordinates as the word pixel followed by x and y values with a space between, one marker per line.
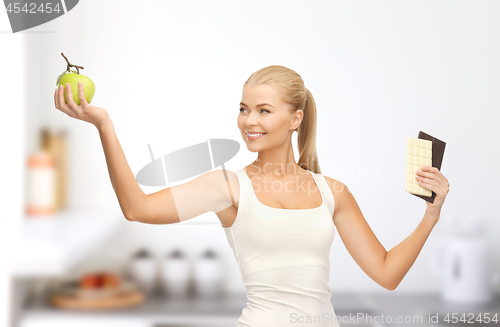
pixel 54 143
pixel 40 180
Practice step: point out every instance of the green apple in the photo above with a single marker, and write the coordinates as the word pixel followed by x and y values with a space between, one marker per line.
pixel 73 78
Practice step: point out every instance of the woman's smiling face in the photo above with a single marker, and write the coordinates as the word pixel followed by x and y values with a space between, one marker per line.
pixel 263 111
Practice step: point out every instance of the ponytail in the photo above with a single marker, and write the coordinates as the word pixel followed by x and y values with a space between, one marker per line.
pixel 308 157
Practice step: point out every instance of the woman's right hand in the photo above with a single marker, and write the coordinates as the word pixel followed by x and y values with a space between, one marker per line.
pixel 86 112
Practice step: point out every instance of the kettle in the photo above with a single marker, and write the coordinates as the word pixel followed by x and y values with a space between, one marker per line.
pixel 463 260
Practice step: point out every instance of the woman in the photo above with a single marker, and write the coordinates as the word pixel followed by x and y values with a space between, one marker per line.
pixel 279 216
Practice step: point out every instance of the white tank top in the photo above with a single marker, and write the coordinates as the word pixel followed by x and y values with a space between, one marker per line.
pixel 283 258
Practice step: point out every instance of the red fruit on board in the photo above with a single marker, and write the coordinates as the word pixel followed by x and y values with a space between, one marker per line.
pixel 89 281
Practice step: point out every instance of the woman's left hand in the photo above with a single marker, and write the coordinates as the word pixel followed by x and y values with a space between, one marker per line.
pixel 432 179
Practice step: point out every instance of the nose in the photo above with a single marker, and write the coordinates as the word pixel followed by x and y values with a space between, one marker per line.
pixel 250 121
pixel 250 125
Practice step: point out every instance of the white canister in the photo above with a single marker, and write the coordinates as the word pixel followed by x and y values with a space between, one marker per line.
pixel 208 274
pixel 143 269
pixel 176 274
pixel 40 185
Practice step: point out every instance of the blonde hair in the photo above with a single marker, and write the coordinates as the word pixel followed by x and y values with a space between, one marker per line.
pixel 298 97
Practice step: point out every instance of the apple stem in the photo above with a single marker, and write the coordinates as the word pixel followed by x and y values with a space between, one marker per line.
pixel 70 65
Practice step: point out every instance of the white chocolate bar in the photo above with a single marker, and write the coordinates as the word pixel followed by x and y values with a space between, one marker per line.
pixel 418 154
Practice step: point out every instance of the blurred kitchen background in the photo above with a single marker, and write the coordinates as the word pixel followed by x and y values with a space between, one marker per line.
pixel 170 74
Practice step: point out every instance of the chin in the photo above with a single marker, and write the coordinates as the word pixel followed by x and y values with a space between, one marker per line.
pixel 252 148
pixel 256 148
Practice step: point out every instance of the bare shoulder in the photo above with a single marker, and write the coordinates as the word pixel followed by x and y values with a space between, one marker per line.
pixel 336 186
pixel 339 190
pixel 226 183
pixel 221 177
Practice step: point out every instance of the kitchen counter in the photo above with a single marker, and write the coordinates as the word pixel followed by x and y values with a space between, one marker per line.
pixel 371 310
pixel 429 308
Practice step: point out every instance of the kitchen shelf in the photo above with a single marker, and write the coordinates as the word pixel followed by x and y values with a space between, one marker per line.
pixel 50 246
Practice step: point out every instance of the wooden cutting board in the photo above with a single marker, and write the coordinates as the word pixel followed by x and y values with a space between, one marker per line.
pixel 112 301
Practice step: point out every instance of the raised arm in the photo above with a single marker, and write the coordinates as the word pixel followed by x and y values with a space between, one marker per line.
pixel 386 268
pixel 208 192
pixel 129 193
pixel 357 236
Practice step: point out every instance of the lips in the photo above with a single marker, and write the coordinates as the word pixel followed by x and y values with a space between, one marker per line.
pixel 255 135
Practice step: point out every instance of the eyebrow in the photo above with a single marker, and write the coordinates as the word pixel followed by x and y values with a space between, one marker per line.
pixel 259 105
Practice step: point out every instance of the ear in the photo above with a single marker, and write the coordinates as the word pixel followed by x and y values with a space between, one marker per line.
pixel 297 119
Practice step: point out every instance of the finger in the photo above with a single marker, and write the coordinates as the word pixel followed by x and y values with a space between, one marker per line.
pixel 424 180
pixel 429 169
pixel 431 185
pixel 61 102
pixel 427 185
pixel 66 110
pixel 81 95
pixel 69 97
pixel 75 108
pixel 431 172
pixel 55 98
pixel 431 179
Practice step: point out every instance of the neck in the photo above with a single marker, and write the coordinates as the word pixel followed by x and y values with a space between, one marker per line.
pixel 279 162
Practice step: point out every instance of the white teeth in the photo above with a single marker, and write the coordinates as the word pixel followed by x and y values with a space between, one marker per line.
pixel 253 135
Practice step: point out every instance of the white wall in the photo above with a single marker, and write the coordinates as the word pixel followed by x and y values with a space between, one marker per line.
pixel 170 74
pixel 12 101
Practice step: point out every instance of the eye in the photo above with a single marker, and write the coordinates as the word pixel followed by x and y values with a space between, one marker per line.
pixel 241 109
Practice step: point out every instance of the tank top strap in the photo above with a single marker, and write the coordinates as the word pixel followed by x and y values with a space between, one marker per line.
pixel 243 180
pixel 325 189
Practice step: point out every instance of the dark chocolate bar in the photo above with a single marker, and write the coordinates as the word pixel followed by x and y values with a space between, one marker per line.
pixel 437 158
